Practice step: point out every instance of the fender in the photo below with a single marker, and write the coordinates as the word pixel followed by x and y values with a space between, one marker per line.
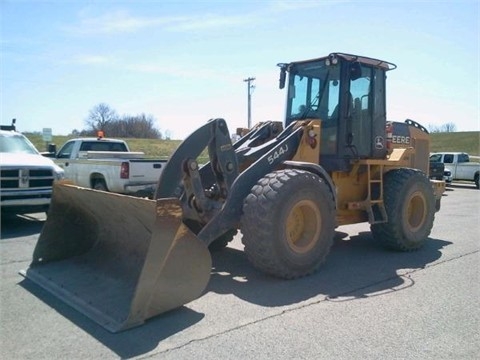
pixel 315 169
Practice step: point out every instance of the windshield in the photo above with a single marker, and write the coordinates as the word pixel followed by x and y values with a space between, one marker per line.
pixel 313 91
pixel 16 144
pixel 435 157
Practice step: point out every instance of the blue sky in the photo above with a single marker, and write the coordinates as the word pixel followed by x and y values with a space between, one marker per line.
pixel 184 62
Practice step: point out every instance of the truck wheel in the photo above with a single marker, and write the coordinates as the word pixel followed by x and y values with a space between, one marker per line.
pixel 100 185
pixel 476 181
pixel 288 223
pixel 410 205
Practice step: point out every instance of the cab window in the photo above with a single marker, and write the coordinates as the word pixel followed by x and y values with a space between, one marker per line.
pixel 65 151
pixel 448 158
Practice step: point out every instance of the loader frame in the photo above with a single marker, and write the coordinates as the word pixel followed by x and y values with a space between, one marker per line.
pixel 121 260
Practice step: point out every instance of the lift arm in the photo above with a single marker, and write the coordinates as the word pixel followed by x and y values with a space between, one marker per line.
pixel 213 194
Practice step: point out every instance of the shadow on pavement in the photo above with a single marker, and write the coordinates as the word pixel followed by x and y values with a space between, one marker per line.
pixel 356 267
pixel 20 225
pixel 127 344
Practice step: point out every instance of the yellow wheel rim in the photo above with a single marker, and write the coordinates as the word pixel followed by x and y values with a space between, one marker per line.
pixel 416 211
pixel 303 226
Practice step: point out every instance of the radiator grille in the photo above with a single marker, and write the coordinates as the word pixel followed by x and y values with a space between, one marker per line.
pixel 26 178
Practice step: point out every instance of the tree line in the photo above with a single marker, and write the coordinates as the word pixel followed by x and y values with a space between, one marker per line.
pixel 103 118
pixel 448 127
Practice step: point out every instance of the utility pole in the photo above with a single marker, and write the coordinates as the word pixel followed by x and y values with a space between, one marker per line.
pixel 250 87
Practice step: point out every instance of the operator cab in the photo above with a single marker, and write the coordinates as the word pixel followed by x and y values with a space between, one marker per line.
pixel 347 93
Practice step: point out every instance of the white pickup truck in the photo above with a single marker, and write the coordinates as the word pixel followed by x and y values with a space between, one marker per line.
pixel 459 164
pixel 108 165
pixel 26 176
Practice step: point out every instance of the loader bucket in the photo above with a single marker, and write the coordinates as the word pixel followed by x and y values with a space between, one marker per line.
pixel 118 259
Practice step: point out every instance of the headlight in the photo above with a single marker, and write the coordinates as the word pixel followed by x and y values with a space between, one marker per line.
pixel 59 175
pixel 58 172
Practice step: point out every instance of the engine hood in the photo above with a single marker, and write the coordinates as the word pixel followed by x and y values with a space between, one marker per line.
pixel 27 160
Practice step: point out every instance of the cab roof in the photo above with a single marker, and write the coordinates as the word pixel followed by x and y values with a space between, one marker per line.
pixel 386 65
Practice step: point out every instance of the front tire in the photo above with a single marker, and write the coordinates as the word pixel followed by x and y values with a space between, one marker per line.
pixel 288 223
pixel 410 204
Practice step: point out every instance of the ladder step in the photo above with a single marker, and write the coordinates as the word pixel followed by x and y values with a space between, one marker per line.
pixel 375 208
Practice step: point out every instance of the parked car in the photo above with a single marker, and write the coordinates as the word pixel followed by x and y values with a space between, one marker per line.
pixel 108 165
pixel 460 166
pixel 26 176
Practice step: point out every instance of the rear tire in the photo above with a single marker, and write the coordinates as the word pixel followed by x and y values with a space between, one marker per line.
pixel 100 185
pixel 410 205
pixel 288 223
pixel 477 184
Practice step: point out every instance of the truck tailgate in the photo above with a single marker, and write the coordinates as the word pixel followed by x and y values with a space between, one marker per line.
pixel 146 170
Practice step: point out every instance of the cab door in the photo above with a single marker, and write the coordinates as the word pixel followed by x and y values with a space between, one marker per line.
pixel 64 159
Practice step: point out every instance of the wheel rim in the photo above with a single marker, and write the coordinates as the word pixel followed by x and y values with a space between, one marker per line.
pixel 303 226
pixel 416 211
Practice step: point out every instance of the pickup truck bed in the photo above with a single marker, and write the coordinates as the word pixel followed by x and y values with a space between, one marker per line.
pixel 111 155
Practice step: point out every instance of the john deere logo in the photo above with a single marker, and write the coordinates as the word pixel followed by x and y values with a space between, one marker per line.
pixel 379 142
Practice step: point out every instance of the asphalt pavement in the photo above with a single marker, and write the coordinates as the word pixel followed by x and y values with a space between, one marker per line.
pixel 364 303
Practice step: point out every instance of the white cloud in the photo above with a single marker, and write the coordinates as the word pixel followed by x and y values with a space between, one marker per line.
pixel 121 21
pixel 114 22
pixel 211 21
pixel 178 70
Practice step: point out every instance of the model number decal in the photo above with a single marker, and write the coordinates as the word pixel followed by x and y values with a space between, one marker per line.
pixel 277 153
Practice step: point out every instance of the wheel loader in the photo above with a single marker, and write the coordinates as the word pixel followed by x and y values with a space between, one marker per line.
pixel 286 186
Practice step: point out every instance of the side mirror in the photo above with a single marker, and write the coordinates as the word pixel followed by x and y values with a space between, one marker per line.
pixel 283 75
pixel 52 149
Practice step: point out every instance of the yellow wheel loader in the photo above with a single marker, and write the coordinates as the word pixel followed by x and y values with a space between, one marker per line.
pixel 334 160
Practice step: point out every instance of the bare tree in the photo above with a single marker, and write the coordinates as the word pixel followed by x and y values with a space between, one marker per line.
pixel 100 116
pixel 141 126
pixel 133 126
pixel 449 127
pixel 433 128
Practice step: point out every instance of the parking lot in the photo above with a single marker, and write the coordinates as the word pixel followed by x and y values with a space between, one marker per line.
pixel 364 303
